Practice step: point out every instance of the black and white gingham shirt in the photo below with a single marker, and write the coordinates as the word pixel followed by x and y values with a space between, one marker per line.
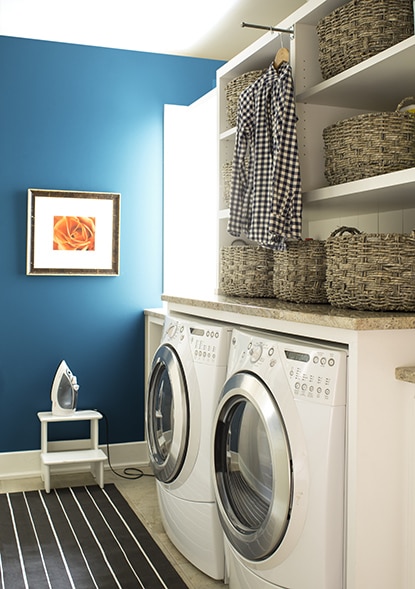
pixel 265 197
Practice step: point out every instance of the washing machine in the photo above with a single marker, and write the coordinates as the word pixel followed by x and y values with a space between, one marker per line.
pixel 187 373
pixel 278 456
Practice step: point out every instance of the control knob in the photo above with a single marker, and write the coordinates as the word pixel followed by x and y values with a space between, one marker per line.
pixel 171 330
pixel 255 352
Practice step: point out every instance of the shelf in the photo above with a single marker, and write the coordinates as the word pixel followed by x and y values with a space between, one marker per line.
pixel 228 134
pixel 379 83
pixel 83 415
pixel 72 456
pixel 387 192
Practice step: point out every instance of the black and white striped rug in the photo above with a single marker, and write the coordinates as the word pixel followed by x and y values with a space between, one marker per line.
pixel 78 538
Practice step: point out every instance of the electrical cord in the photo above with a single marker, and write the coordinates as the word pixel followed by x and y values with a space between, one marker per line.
pixel 130 472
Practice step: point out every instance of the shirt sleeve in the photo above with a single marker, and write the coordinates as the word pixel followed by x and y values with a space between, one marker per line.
pixel 241 180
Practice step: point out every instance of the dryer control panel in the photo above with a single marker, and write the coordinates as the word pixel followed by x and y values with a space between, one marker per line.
pixel 316 373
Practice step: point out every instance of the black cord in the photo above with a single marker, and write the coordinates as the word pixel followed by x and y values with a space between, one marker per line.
pixel 131 472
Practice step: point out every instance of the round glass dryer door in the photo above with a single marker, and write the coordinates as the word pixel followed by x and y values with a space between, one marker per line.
pixel 253 467
pixel 167 415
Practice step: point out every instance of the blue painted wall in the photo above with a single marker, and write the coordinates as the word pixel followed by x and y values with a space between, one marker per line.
pixel 82 118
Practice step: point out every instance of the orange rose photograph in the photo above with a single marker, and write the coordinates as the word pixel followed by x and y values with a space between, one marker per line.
pixel 72 233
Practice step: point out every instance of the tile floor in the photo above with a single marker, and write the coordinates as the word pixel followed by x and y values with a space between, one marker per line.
pixel 142 497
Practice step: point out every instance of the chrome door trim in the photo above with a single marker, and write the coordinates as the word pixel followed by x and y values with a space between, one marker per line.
pixel 253 541
pixel 167 454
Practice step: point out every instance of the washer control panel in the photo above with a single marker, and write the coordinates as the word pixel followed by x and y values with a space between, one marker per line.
pixel 209 344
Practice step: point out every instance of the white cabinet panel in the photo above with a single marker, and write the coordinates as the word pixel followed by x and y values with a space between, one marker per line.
pixel 190 196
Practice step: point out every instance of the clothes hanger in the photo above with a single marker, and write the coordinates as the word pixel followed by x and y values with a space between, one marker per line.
pixel 282 56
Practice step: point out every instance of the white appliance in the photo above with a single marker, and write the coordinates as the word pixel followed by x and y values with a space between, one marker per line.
pixel 279 462
pixel 187 373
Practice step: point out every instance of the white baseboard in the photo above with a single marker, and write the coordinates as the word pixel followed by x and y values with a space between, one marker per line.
pixel 17 465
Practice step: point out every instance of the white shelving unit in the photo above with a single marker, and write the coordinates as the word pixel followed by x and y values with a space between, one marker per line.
pixel 91 455
pixel 381 203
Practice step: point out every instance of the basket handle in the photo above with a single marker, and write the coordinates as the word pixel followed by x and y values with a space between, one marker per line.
pixel 411 100
pixel 344 229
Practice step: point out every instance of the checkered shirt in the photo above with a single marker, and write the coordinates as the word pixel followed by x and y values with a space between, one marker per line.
pixel 265 196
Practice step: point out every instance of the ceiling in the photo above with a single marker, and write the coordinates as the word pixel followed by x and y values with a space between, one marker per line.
pixel 210 29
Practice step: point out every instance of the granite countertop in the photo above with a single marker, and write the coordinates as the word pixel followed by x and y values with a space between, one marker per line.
pixel 405 373
pixel 159 312
pixel 325 315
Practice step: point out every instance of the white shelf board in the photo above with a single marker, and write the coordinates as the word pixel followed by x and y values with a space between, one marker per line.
pixel 387 192
pixel 69 457
pixel 228 134
pixel 82 415
pixel 378 83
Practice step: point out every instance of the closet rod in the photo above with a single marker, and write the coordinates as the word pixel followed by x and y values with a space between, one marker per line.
pixel 265 28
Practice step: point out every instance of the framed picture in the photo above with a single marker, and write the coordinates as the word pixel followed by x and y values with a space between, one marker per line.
pixel 73 233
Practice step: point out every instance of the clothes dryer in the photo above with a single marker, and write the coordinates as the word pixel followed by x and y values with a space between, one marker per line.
pixel 279 462
pixel 187 373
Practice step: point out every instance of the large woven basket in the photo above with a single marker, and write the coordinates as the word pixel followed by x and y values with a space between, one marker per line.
pixel 369 145
pixel 233 90
pixel 300 272
pixel 370 271
pixel 246 271
pixel 360 29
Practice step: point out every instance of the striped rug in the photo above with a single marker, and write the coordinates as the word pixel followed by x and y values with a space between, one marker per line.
pixel 78 538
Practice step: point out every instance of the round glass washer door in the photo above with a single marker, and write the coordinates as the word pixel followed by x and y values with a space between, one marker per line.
pixel 167 415
pixel 252 467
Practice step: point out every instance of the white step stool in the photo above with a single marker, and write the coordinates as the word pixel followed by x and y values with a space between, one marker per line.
pixel 92 455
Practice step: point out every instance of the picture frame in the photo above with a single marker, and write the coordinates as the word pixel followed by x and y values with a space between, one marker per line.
pixel 73 233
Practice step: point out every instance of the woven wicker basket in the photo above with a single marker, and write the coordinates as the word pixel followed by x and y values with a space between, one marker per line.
pixel 227 178
pixel 246 271
pixel 360 29
pixel 300 272
pixel 371 272
pixel 369 145
pixel 233 90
